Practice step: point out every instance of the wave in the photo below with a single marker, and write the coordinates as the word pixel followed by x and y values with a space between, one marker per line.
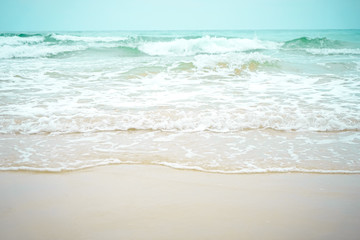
pixel 20 41
pixel 183 121
pixel 50 44
pixel 19 34
pixel 258 170
pixel 35 51
pixel 207 44
pixel 237 63
pixel 115 51
pixel 178 166
pixel 306 42
pixel 331 51
pixel 33 46
pixel 87 39
pixel 50 51
pixel 16 39
pixel 321 46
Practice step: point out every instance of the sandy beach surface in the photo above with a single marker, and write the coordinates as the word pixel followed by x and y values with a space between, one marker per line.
pixel 154 202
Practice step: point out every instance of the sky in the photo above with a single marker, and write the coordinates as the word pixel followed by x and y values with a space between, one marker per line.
pixel 87 15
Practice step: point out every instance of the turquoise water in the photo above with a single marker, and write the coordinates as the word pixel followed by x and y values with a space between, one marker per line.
pixel 216 101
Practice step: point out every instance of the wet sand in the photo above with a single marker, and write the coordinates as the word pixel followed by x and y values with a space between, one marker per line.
pixel 153 202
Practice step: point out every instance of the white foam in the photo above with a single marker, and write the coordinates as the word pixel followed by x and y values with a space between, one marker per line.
pixel 258 170
pixel 16 40
pixel 333 51
pixel 36 46
pixel 187 47
pixel 65 168
pixel 35 51
pixel 258 100
pixel 185 167
pixel 87 38
pixel 186 121
pixel 230 61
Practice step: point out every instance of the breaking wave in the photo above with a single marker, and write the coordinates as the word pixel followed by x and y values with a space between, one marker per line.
pixel 37 45
pixel 321 46
pixel 207 44
pixel 306 42
pixel 49 45
pixel 332 51
pixel 186 121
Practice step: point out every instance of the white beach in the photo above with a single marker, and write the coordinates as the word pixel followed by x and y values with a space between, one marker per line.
pixel 153 202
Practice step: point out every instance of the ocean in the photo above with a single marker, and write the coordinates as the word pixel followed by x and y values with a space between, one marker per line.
pixel 214 101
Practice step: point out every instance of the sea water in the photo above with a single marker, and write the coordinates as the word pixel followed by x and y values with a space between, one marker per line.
pixel 215 101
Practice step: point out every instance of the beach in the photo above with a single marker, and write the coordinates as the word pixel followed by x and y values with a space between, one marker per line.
pixel 155 202
pixel 179 120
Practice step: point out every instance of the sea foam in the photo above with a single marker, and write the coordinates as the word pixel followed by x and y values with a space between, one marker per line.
pixel 213 101
pixel 207 44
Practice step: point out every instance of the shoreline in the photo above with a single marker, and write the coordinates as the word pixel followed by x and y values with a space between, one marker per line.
pixel 182 168
pixel 158 202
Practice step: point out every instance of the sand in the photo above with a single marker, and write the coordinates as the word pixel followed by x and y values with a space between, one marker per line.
pixel 154 202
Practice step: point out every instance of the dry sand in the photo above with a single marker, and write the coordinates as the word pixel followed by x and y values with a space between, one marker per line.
pixel 153 202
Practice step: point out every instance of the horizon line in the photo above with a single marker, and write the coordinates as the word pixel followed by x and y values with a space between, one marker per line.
pixel 174 30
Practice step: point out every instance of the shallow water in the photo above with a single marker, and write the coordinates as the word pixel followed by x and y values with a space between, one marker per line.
pixel 217 101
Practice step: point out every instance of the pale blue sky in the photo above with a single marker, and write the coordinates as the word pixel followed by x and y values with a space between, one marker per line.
pixel 57 15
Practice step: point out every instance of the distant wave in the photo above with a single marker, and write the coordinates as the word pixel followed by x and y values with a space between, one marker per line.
pixel 15 39
pixel 321 46
pixel 36 51
pixel 51 44
pixel 306 42
pixel 207 44
pixel 332 51
pixel 36 45
pixel 73 38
